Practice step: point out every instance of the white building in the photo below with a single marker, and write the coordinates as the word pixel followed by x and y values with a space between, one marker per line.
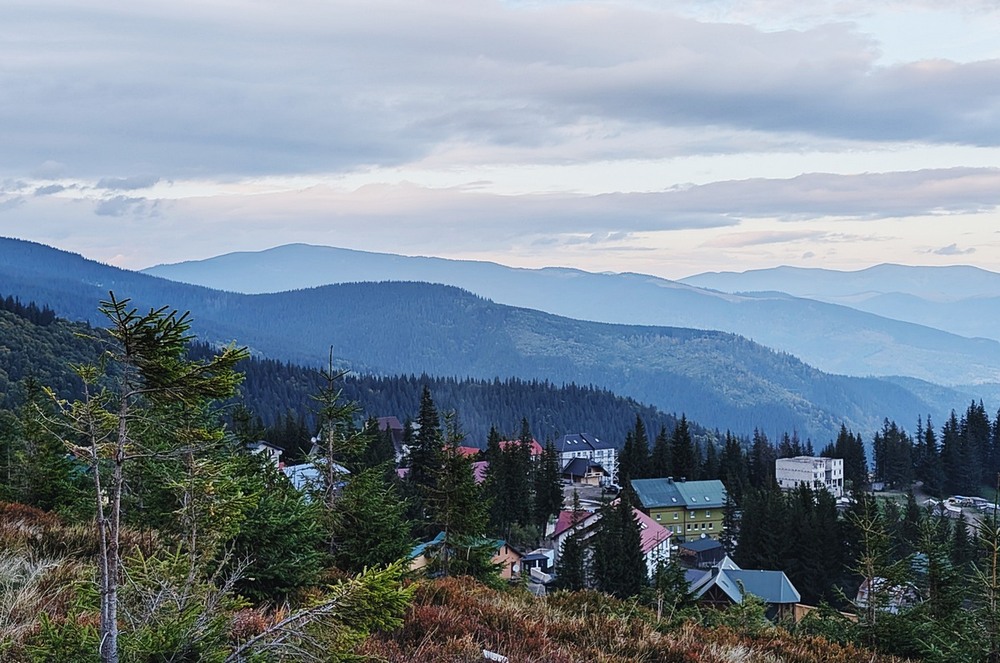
pixel 814 472
pixel 583 445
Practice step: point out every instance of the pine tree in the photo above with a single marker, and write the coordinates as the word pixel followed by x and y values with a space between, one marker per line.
pixel 682 452
pixel 548 487
pixel 619 567
pixel 150 377
pixel 426 450
pixel 660 466
pixel 572 558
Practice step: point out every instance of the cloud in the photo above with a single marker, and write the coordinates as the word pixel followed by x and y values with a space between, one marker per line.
pixel 118 206
pixel 745 239
pixel 952 250
pixel 127 183
pixel 196 89
pixel 49 189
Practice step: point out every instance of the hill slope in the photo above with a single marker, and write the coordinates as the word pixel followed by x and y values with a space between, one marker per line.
pixel 832 337
pixel 718 379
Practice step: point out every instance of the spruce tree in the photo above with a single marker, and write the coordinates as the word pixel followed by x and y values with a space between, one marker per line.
pixel 572 574
pixel 619 567
pixel 682 451
pixel 548 487
pixel 660 458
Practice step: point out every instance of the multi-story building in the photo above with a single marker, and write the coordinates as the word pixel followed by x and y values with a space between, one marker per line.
pixel 583 445
pixel 689 509
pixel 814 472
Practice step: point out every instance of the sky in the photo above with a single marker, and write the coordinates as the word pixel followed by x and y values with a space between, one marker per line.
pixel 663 137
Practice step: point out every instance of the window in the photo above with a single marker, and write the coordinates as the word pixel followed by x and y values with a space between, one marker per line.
pixel 657 516
pixel 711 526
pixel 708 514
pixel 675 515
pixel 689 527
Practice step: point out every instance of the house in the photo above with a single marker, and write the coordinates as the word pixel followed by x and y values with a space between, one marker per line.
pixel 814 472
pixel 728 584
pixel 306 476
pixel 654 539
pixel 689 509
pixel 534 447
pixel 540 559
pixel 589 447
pixel 584 471
pixel 468 452
pixel 505 556
pixel 700 553
pixel 891 599
pixel 267 450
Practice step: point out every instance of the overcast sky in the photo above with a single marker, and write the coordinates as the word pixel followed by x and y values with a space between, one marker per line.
pixel 651 136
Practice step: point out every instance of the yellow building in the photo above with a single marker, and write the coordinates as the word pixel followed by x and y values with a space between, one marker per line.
pixel 689 509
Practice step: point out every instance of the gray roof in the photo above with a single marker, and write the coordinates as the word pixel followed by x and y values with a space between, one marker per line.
pixel 771 586
pixel 579 441
pixel 700 545
pixel 579 467
pixel 659 493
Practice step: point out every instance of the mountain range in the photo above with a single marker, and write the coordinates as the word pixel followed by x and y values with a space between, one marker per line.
pixel 719 379
pixel 829 335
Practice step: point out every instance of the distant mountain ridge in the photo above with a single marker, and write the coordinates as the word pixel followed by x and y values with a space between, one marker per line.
pixel 718 379
pixel 959 299
pixel 833 337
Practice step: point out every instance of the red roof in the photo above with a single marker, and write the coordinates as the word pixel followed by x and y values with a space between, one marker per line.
pixel 536 448
pixel 468 451
pixel 565 520
pixel 651 532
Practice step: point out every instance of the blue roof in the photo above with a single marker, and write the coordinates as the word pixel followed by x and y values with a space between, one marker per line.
pixel 701 545
pixel 421 548
pixel 660 493
pixel 771 586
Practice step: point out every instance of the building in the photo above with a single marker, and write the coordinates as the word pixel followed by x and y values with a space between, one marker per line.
pixel 688 509
pixel 814 472
pixel 654 539
pixel 727 584
pixel 589 447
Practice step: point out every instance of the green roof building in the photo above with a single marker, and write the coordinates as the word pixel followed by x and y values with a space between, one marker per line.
pixel 689 509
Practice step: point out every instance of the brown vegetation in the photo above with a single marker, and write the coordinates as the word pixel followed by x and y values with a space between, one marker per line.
pixel 455 619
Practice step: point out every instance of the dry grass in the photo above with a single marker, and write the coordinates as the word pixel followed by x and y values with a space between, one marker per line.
pixel 455 619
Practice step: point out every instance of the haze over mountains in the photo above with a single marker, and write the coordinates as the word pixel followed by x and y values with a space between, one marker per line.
pixel 718 379
pixel 831 336
pixel 960 299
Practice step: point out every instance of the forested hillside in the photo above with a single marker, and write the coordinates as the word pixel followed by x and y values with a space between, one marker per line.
pixel 722 380
pixel 275 391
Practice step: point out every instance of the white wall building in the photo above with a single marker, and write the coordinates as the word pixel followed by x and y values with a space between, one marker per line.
pixel 814 472
pixel 582 445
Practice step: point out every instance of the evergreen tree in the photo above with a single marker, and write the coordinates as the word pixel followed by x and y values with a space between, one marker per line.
pixel 660 466
pixel 426 449
pixel 548 487
pixel 619 567
pixel 572 558
pixel 682 451
pixel 150 376
pixel 372 529
pixel 762 457
pixel 733 467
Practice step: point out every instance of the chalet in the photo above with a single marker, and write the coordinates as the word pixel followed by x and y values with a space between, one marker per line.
pixel 591 448
pixel 584 471
pixel 728 584
pixel 425 555
pixel 267 450
pixel 689 509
